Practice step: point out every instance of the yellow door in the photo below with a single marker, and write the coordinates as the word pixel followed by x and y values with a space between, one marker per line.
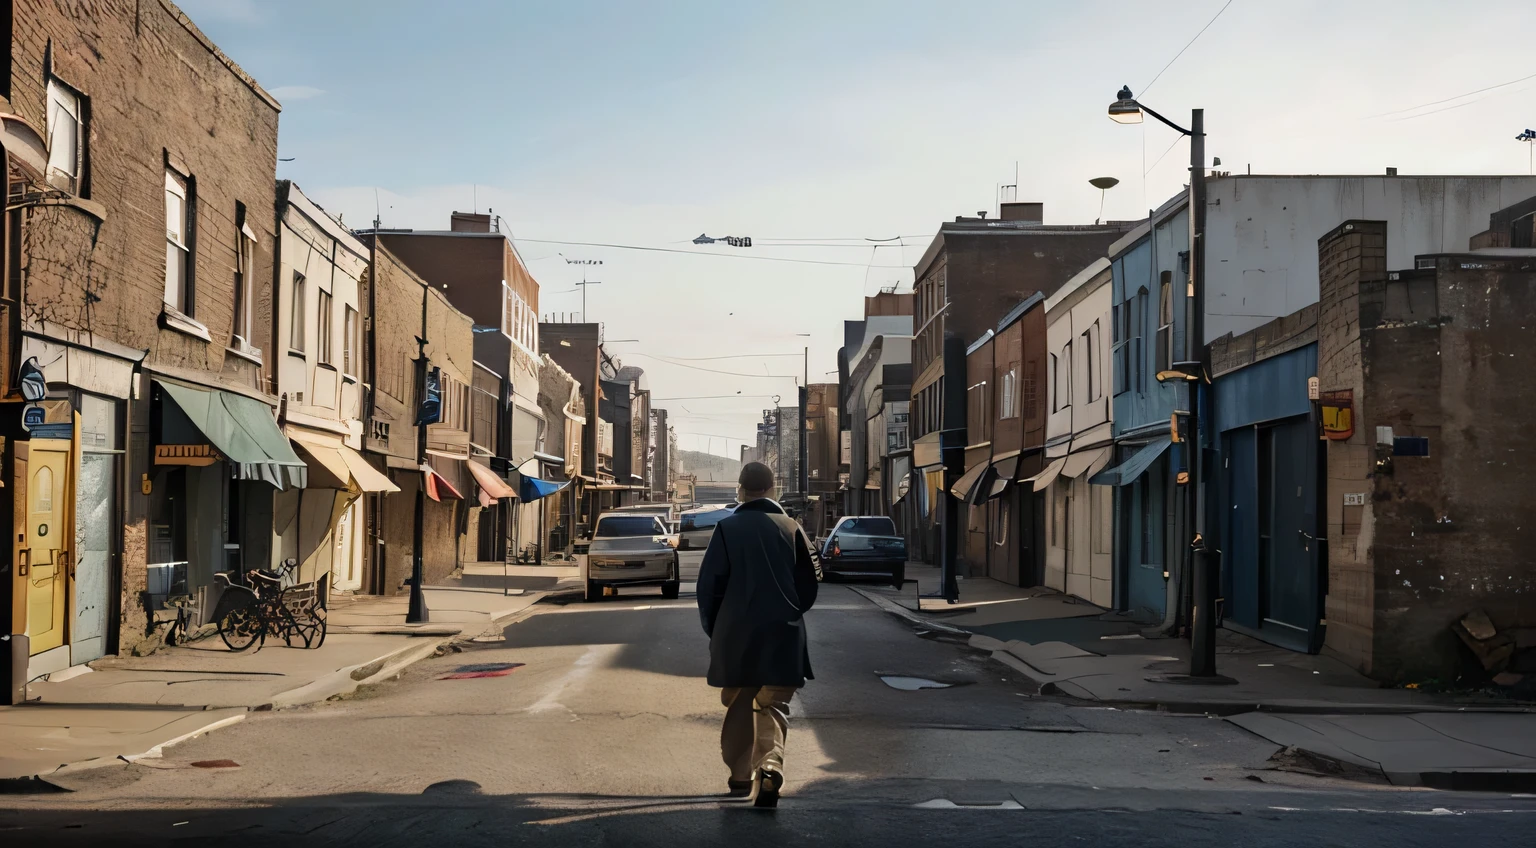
pixel 45 548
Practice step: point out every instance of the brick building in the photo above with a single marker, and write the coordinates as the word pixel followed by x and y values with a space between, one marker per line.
pixel 139 255
pixel 1427 501
pixel 973 273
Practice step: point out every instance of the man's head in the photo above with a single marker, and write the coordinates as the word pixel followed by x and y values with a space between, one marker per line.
pixel 756 481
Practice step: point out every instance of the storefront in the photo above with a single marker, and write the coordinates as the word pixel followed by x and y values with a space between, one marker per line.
pixel 218 457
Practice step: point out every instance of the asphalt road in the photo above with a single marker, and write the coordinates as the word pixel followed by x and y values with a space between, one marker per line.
pixel 607 735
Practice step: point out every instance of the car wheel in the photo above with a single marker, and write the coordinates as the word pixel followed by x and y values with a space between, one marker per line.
pixel 594 591
pixel 898 577
pixel 670 589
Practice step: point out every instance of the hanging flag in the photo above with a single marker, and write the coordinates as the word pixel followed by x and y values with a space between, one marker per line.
pixel 431 410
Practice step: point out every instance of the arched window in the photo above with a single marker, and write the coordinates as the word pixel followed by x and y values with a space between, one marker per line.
pixel 42 490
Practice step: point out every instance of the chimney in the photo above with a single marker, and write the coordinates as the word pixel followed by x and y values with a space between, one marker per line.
pixel 470 222
pixel 1033 213
pixel 1391 172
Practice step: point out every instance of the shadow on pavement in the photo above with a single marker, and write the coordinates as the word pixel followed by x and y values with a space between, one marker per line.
pixel 454 813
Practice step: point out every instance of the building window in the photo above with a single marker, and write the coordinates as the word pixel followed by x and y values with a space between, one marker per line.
pixel 350 348
pixel 178 243
pixel 1164 352
pixel 1000 532
pixel 245 275
pixel 1120 350
pixel 1009 407
pixel 324 353
pixel 1031 392
pixel 66 137
pixel 1139 321
pixel 1090 362
pixel 296 312
pixel 1055 384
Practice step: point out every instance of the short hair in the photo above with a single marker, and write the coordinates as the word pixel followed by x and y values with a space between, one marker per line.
pixel 756 477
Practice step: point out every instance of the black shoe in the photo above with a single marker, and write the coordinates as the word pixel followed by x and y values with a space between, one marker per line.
pixel 739 788
pixel 770 781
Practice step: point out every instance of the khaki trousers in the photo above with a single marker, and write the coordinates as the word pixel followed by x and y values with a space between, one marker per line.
pixel 756 722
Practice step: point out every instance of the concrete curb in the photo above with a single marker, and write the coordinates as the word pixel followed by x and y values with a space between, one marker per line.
pixel 1221 707
pixel 344 681
pixel 907 615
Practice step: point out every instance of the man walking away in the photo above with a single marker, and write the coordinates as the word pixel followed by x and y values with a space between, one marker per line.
pixel 757 580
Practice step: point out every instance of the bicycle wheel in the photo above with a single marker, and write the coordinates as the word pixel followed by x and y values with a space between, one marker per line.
pixel 241 628
pixel 314 637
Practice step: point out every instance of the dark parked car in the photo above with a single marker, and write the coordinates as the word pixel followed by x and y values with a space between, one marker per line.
pixel 865 546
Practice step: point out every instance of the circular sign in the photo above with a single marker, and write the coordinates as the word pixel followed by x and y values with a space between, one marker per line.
pixel 42 530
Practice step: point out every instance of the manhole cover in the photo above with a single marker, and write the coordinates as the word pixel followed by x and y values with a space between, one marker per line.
pixel 468 672
pixel 215 764
pixel 912 684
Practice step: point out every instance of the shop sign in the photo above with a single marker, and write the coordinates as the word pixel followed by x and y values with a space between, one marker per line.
pixel 197 455
pixel 1338 414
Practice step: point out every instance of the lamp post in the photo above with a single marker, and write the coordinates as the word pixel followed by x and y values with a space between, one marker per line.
pixel 804 482
pixel 1202 631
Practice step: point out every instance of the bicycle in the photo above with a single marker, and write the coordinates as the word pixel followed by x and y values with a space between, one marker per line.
pixel 248 614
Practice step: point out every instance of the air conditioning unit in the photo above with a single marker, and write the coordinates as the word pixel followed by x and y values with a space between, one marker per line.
pixel 298 397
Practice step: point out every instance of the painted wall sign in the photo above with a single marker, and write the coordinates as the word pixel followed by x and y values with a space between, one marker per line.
pixel 198 455
pixel 1354 499
pixel 1338 414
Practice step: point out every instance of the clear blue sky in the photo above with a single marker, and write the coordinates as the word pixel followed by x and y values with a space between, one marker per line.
pixel 648 123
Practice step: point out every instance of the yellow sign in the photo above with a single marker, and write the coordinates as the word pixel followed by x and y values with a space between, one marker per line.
pixel 1338 414
pixel 198 455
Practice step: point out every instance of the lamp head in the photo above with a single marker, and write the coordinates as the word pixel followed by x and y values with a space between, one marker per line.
pixel 1125 110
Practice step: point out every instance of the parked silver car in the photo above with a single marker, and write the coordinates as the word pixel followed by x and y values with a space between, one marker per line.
pixel 697 526
pixel 630 549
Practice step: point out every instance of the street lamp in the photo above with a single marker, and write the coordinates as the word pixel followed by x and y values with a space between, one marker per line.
pixel 804 481
pixel 1202 631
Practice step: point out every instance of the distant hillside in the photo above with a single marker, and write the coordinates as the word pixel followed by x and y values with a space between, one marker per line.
pixel 709 468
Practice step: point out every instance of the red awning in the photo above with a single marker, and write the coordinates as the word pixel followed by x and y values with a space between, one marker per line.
pixel 438 485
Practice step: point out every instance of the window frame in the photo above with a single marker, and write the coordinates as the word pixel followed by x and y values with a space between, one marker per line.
pixel 61 96
pixel 179 185
pixel 297 325
pixel 243 325
pixel 325 334
pixel 1163 355
pixel 349 340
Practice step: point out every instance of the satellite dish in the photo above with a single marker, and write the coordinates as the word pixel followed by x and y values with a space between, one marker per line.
pixel 34 387
pixel 1102 183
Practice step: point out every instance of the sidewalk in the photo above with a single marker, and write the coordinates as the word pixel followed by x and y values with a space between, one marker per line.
pixel 128 708
pixel 1071 647
pixel 1325 716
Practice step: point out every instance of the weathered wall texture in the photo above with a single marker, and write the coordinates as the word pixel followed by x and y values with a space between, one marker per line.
pixel 1351 256
pixel 397 297
pixel 1432 354
pixel 156 88
pixel 1445 357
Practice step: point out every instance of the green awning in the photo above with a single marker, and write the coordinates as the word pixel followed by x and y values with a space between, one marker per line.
pixel 240 428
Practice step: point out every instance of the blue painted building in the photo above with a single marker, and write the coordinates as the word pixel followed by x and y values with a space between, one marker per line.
pixel 1150 266
pixel 1264 486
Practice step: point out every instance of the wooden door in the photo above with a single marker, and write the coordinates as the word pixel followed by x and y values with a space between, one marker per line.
pixel 45 543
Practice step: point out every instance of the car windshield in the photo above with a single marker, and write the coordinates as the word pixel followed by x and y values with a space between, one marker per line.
pixel 704 520
pixel 620 526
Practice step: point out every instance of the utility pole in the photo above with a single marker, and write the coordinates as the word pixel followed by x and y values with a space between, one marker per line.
pixel 805 395
pixel 416 612
pixel 1202 625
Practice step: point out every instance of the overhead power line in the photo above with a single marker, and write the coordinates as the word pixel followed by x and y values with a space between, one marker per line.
pixel 1148 86
pixel 712 370
pixel 1449 100
pixel 707 253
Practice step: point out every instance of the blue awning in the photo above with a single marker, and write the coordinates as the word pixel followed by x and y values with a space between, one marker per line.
pixel 1135 466
pixel 530 489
